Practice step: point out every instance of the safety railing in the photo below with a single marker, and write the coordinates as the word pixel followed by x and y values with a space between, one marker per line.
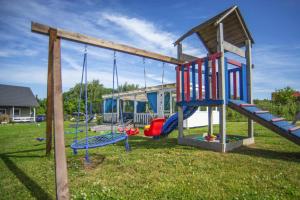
pixel 236 80
pixel 197 81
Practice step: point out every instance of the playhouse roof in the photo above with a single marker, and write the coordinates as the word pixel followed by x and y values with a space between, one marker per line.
pixel 139 94
pixel 235 30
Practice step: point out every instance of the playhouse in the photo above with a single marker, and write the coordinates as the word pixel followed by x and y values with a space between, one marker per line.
pixel 143 105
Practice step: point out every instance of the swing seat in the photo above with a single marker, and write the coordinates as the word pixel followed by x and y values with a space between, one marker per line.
pixel 155 127
pixel 130 131
pixel 133 131
pixel 99 141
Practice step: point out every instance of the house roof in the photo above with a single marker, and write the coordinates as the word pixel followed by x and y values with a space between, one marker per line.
pixel 17 96
pixel 234 28
pixel 139 94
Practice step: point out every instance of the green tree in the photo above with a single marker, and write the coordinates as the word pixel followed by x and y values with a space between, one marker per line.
pixel 128 87
pixel 283 96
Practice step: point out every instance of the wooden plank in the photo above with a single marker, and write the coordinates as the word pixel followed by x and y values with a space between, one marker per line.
pixel 62 189
pixel 222 92
pixel 234 49
pixel 225 15
pixel 277 119
pixel 234 62
pixel 77 37
pixel 249 83
pixel 188 58
pixel 49 112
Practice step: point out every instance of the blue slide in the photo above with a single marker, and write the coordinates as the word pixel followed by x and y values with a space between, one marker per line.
pixel 172 122
pixel 272 122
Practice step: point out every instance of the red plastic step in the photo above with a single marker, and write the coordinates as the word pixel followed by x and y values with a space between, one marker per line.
pixel 277 119
pixel 246 105
pixel 294 128
pixel 261 111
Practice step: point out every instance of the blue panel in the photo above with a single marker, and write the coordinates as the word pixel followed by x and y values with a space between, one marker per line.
pixel 251 108
pixel 266 116
pixel 152 99
pixel 241 84
pixel 297 133
pixel 194 80
pixel 209 102
pixel 206 76
pixel 244 74
pixel 283 125
pixel 229 85
pixel 218 92
pixel 182 83
pixel 226 81
pixel 141 107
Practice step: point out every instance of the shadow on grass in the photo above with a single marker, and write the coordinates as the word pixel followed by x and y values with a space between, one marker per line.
pixel 35 190
pixel 270 154
pixel 140 142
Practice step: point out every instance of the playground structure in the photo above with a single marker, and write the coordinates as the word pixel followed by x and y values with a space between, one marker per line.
pixel 226 32
pixel 160 99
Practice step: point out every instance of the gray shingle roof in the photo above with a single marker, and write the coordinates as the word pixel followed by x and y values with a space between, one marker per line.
pixel 16 96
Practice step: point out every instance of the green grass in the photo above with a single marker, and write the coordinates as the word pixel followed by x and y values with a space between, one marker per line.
pixel 160 169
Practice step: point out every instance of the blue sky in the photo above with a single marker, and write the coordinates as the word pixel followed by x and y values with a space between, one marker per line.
pixel 152 25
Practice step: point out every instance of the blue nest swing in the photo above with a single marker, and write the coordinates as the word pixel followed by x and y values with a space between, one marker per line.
pixel 99 140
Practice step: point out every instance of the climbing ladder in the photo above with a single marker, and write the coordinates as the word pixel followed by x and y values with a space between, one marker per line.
pixel 272 122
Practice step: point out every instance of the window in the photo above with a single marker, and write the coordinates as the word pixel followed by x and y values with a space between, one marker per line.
pixel 2 111
pixel 17 112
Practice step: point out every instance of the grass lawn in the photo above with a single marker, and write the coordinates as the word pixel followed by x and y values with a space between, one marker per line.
pixel 159 169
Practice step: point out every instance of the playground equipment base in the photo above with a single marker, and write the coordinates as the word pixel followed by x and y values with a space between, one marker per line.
pixel 198 141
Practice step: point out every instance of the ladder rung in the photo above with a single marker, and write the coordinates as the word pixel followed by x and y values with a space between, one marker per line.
pixel 246 105
pixel 294 128
pixel 261 111
pixel 277 119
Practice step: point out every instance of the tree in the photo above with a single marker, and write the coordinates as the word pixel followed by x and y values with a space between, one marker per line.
pixel 128 87
pixel 283 96
pixel 41 110
pixel 95 91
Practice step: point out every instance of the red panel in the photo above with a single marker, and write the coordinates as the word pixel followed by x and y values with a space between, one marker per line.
pixel 187 83
pixel 234 62
pixel 200 79
pixel 177 83
pixel 234 86
pixel 214 79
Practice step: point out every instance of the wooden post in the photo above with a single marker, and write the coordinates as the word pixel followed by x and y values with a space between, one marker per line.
pixel 180 110
pixel 210 108
pixel 49 112
pixel 34 114
pixel 13 113
pixel 62 189
pixel 249 85
pixel 222 113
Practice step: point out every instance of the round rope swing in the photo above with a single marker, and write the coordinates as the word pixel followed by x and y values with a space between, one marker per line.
pixel 104 139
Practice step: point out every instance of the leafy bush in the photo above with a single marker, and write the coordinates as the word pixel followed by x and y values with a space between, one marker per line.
pixel 99 119
pixel 4 118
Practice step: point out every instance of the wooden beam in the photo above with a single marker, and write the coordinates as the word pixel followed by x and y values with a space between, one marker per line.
pixel 80 38
pixel 62 189
pixel 233 49
pixel 188 58
pixel 49 114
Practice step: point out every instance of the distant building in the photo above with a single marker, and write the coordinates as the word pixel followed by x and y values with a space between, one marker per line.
pixel 17 102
